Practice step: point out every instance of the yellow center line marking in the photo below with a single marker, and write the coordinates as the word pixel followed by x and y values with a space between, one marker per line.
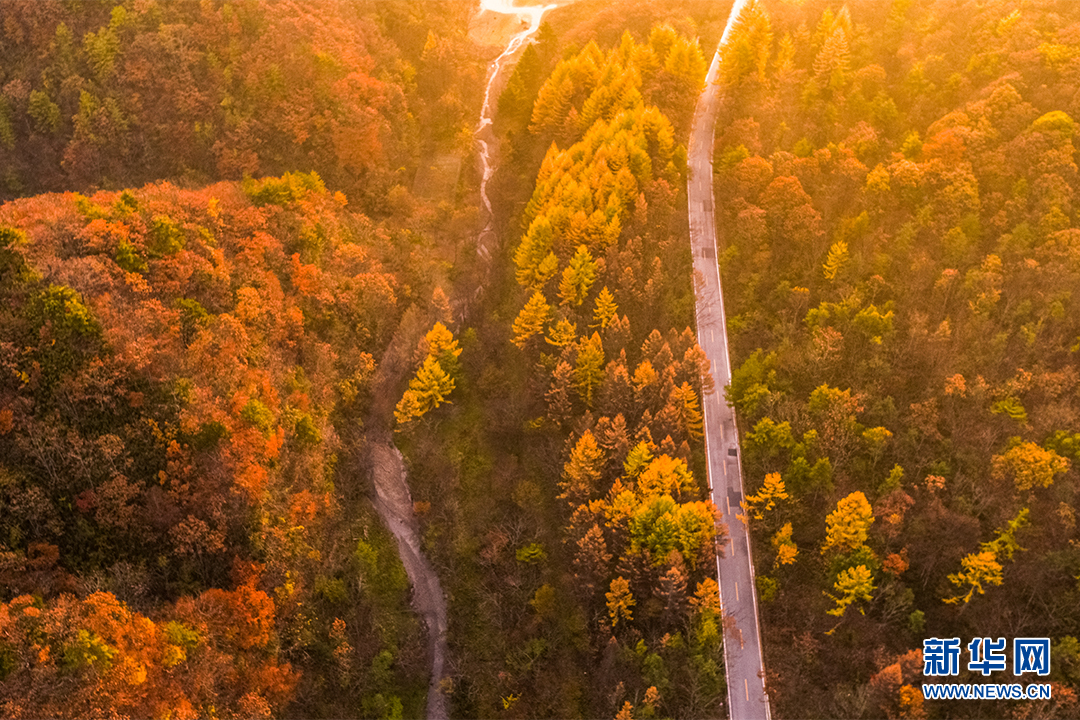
pixel 746 686
pixel 736 592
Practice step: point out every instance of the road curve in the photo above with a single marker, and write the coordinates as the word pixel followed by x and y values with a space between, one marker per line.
pixel 744 666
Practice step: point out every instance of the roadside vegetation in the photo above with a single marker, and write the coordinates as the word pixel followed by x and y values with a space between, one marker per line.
pixel 238 240
pixel 895 190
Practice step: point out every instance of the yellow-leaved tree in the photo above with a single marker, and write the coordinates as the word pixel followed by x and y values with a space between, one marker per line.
pixel 620 601
pixel 562 333
pixel 666 476
pixel 984 567
pixel 747 52
pixel 427 391
pixel 836 260
pixel 688 410
pixel 589 368
pixel 847 529
pixel 853 584
pixel 771 492
pixel 577 278
pixel 605 308
pixel 980 569
pixel 443 347
pixel 434 381
pixel 848 526
pixel 1029 466
pixel 786 549
pixel 531 320
pixel 581 473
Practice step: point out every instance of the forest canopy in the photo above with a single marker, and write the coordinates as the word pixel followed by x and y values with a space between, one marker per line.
pixel 97 95
pixel 895 189
pixel 241 261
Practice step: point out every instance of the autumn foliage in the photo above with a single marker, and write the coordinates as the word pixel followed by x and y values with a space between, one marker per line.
pixel 895 188
pixel 103 96
pixel 179 366
pixel 215 652
pixel 571 458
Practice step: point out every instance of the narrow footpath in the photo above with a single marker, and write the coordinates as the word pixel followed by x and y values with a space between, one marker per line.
pixel 744 666
pixel 393 501
pixel 486 141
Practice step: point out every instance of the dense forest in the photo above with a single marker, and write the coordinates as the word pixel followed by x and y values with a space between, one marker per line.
pixel 178 366
pixel 187 365
pixel 895 195
pixel 113 95
pixel 563 486
pixel 190 364
pixel 238 252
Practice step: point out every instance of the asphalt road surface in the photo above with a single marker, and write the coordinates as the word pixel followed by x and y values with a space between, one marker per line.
pixel 742 639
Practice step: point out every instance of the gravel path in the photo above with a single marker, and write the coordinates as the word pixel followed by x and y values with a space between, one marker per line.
pixel 393 500
pixel 394 504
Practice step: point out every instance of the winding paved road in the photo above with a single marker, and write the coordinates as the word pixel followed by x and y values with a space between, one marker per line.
pixel 743 662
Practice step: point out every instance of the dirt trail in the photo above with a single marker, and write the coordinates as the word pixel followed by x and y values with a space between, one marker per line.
pixel 526 22
pixel 393 502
